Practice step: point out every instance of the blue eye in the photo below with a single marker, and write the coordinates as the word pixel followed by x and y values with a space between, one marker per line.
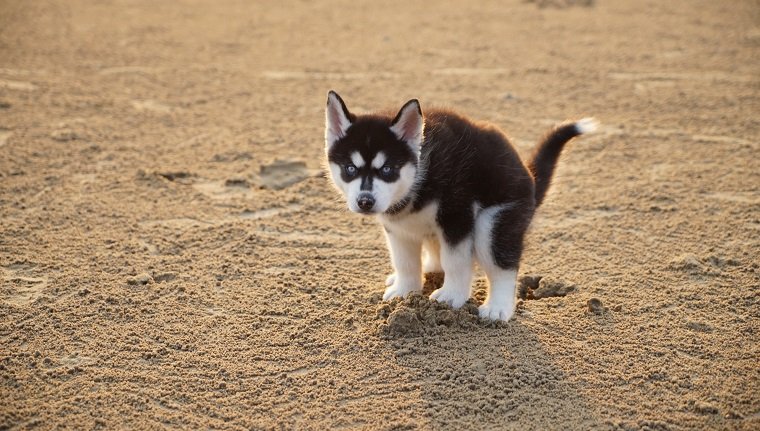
pixel 350 170
pixel 386 170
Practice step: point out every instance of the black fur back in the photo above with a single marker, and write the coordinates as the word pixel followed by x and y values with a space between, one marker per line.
pixel 470 161
pixel 467 163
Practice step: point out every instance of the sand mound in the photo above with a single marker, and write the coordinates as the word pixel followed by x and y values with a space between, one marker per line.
pixel 417 315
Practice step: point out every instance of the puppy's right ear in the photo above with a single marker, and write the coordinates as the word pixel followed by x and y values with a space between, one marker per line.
pixel 409 124
pixel 337 119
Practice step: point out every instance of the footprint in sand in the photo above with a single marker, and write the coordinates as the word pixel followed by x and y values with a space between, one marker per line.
pixel 75 360
pixel 5 135
pixel 70 130
pixel 561 4
pixel 152 107
pixel 187 222
pixel 224 190
pixel 651 86
pixel 181 177
pixel 459 71
pixel 125 70
pixel 17 85
pixel 682 76
pixel 176 223
pixel 64 135
pixel 267 212
pixel 281 174
pixel 277 175
pixel 19 287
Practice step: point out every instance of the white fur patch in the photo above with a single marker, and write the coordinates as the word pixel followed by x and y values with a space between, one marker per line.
pixel 586 125
pixel 387 194
pixel 500 298
pixel 500 302
pixel 404 183
pixel 457 265
pixel 416 225
pixel 483 226
pixel 352 194
pixel 405 255
pixel 379 160
pixel 350 190
pixel 432 251
pixel 415 228
pixel 357 159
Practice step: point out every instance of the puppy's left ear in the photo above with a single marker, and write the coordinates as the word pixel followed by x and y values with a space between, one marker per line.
pixel 337 118
pixel 409 123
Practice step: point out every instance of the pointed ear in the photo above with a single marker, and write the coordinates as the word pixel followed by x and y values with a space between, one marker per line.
pixel 337 118
pixel 409 123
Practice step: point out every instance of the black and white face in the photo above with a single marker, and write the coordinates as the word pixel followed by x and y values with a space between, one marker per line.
pixel 372 160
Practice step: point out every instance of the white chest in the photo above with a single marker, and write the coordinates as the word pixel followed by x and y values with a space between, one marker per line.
pixel 417 225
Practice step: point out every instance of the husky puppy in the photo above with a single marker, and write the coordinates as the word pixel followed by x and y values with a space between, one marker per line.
pixel 445 185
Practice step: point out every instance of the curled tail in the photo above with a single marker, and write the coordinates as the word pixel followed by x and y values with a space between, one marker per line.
pixel 545 156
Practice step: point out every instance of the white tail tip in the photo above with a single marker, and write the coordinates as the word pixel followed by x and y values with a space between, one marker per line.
pixel 586 125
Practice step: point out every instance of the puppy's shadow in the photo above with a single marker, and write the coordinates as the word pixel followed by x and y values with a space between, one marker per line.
pixel 492 376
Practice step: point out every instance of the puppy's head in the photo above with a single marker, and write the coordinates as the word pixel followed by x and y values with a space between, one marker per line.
pixel 372 159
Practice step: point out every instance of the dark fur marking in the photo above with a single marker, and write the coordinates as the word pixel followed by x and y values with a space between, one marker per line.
pixel 507 233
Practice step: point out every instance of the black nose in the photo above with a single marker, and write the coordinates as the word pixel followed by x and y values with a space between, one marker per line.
pixel 366 202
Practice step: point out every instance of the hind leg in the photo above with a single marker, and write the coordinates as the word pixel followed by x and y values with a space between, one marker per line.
pixel 499 232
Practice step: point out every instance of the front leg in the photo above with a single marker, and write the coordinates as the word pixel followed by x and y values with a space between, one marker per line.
pixel 456 261
pixel 431 263
pixel 405 255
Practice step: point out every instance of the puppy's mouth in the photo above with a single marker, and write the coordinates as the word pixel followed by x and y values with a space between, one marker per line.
pixel 366 212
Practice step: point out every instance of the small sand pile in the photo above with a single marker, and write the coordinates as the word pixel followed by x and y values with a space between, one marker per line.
pixel 540 287
pixel 418 315
pixel 595 306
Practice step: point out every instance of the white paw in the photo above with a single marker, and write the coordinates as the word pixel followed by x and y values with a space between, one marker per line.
pixel 390 279
pixel 492 311
pixel 450 296
pixel 400 289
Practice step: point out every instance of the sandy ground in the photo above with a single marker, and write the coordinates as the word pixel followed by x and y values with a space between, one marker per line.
pixel 171 257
